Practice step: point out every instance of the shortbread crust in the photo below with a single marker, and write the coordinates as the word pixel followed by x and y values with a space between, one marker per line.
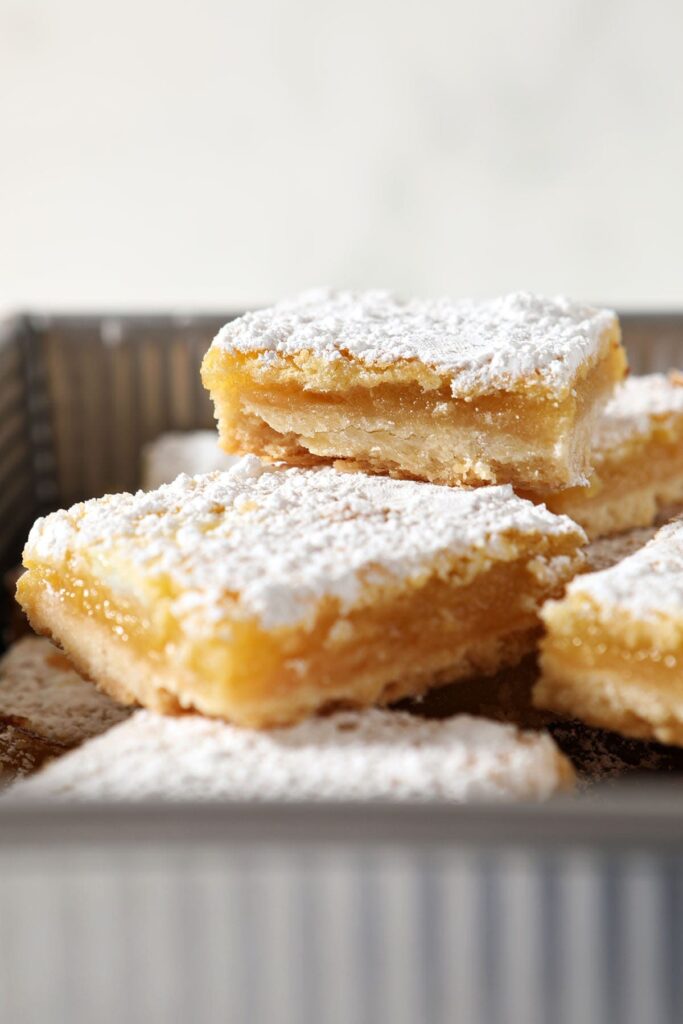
pixel 266 593
pixel 637 459
pixel 505 391
pixel 369 755
pixel 613 650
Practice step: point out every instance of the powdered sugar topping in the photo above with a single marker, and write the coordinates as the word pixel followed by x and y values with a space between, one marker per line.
pixel 639 405
pixel 647 584
pixel 480 346
pixel 369 755
pixel 270 542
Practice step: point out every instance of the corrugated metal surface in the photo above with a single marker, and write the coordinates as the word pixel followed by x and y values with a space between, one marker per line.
pixel 654 341
pixel 116 383
pixel 16 467
pixel 200 934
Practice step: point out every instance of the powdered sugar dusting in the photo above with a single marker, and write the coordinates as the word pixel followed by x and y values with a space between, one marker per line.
pixel 647 584
pixel 40 691
pixel 639 405
pixel 480 346
pixel 366 755
pixel 270 542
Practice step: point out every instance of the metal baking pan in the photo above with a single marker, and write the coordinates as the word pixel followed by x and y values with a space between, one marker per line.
pixel 571 910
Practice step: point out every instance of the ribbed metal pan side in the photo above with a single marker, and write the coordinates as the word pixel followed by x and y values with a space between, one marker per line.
pixel 17 483
pixel 273 935
pixel 654 341
pixel 115 384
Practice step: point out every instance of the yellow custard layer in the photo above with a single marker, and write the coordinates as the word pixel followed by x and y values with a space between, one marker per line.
pixel 404 420
pixel 620 674
pixel 628 488
pixel 395 645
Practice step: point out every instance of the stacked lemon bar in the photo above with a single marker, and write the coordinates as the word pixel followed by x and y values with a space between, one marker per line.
pixel 636 460
pixel 413 489
pixel 612 653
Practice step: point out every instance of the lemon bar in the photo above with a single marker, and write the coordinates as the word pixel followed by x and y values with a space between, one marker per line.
pixel 264 593
pixel 370 755
pixel 613 651
pixel 506 391
pixel 637 459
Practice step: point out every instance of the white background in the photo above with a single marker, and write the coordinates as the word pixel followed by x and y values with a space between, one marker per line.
pixel 204 154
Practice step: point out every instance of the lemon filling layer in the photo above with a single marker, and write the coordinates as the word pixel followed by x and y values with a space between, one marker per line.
pixel 386 421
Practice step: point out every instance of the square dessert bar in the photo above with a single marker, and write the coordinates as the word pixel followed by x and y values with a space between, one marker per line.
pixel 369 755
pixel 637 459
pixel 450 392
pixel 613 651
pixel 263 594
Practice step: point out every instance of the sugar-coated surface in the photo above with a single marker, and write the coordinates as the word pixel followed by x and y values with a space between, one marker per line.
pixel 638 404
pixel 191 452
pixel 647 584
pixel 480 346
pixel 364 755
pixel 270 542
pixel 39 687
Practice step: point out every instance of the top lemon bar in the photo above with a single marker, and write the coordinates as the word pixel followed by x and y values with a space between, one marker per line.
pixel 505 391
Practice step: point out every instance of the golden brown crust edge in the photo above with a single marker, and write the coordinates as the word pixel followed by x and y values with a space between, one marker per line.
pixel 618 513
pixel 601 699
